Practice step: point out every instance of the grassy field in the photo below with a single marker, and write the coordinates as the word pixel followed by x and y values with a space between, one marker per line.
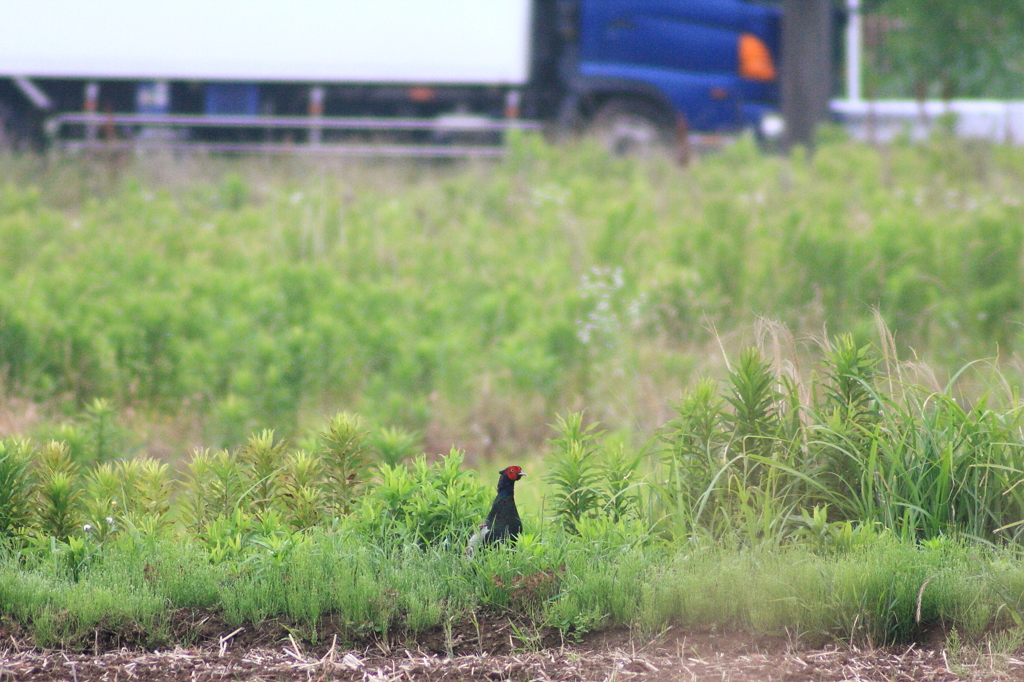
pixel 775 395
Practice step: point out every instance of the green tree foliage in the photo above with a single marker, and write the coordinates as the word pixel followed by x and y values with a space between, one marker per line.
pixel 951 48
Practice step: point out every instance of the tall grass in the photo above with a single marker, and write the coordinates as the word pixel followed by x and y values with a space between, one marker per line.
pixel 860 442
pixel 878 591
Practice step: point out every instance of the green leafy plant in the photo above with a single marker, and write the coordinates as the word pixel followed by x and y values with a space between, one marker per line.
pixel 393 446
pixel 102 430
pixel 215 485
pixel 263 461
pixel 622 479
pixel 301 491
pixel 58 495
pixel 153 487
pixel 574 469
pixel 344 454
pixel 433 504
pixel 103 489
pixel 15 485
pixel 755 417
pixel 695 452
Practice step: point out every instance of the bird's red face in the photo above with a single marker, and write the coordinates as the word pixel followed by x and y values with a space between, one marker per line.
pixel 514 473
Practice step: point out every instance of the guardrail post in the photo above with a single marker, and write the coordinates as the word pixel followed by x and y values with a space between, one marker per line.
pixel 316 111
pixel 512 101
pixel 92 101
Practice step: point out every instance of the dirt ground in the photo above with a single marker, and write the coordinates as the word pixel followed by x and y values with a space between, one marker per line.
pixel 491 651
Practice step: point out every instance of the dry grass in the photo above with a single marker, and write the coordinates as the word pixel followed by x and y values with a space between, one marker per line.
pixel 699 656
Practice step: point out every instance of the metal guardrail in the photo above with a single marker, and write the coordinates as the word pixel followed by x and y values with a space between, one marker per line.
pixel 411 150
pixel 97 128
pixel 885 119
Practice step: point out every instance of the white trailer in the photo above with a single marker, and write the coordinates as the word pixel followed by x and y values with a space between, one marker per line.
pixel 273 66
pixel 330 41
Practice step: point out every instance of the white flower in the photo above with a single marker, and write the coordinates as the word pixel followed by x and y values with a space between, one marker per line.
pixel 87 527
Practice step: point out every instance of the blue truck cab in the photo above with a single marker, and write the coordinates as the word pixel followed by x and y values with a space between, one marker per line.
pixel 697 65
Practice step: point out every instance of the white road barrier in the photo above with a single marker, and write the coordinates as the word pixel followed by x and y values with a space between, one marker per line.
pixel 884 120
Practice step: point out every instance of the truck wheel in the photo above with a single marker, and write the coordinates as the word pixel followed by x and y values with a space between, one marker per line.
pixel 632 128
pixel 15 131
pixel 8 138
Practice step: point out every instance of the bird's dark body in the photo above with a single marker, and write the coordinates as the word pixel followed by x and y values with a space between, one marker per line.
pixel 503 523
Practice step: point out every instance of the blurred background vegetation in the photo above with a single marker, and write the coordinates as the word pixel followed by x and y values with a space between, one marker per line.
pixel 943 49
pixel 203 300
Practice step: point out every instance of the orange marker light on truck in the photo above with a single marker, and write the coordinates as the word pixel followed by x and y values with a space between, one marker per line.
pixel 422 94
pixel 756 61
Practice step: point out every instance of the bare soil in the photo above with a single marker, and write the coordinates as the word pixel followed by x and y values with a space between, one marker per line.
pixel 493 649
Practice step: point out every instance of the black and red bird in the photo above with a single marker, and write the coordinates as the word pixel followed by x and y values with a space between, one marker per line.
pixel 503 522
